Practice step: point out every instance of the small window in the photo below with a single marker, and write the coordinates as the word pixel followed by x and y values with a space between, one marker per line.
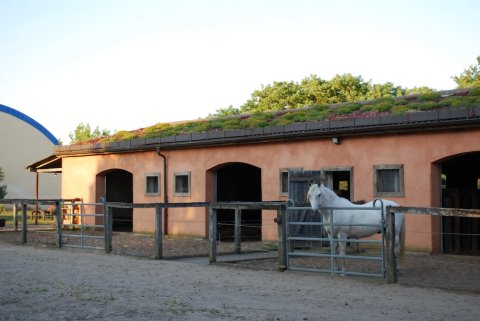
pixel 284 179
pixel 152 186
pixel 182 184
pixel 284 182
pixel 388 180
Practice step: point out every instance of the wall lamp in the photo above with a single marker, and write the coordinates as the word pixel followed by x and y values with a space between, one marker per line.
pixel 336 140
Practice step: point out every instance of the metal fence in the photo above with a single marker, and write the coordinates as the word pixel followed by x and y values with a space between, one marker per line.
pixel 306 248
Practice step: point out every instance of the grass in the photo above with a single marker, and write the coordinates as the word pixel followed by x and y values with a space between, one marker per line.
pixel 8 216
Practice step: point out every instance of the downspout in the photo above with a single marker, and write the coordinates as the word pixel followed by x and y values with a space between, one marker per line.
pixel 165 192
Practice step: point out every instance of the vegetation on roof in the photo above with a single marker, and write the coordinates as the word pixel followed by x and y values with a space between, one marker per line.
pixel 312 99
pixel 377 107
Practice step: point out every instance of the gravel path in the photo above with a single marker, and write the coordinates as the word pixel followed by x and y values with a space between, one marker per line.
pixel 62 284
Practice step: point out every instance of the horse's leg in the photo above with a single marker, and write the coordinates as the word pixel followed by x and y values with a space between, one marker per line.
pixel 333 249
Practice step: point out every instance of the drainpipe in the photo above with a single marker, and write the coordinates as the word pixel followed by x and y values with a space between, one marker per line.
pixel 165 192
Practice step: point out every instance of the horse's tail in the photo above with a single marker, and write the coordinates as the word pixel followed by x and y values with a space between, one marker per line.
pixel 402 243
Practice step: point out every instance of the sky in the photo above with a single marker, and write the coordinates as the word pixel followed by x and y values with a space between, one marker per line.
pixel 129 64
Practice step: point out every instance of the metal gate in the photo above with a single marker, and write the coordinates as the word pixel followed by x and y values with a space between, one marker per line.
pixel 308 245
pixel 82 225
pixel 311 251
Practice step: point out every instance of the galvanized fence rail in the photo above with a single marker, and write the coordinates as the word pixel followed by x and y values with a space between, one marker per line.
pixel 314 249
pixel 87 231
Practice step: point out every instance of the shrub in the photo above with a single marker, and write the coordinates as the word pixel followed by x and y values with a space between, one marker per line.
pixel 347 109
pixel 429 96
pixel 474 92
pixel 401 109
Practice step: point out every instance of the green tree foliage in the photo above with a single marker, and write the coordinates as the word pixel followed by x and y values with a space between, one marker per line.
pixel 83 133
pixel 470 77
pixel 3 188
pixel 314 91
pixel 230 110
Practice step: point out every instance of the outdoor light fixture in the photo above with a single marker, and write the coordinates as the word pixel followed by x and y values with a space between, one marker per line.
pixel 336 140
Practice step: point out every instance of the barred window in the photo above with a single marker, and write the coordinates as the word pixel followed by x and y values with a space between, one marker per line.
pixel 152 186
pixel 182 184
pixel 388 180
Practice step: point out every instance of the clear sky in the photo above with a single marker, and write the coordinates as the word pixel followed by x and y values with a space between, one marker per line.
pixel 128 64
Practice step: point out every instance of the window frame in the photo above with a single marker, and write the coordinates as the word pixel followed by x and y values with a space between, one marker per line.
pixel 285 170
pixel 157 175
pixel 401 187
pixel 183 194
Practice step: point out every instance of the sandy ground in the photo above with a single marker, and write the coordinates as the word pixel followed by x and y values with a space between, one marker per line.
pixel 66 284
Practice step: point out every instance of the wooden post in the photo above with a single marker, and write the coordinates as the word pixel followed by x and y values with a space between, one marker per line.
pixel 15 217
pixel 158 232
pixel 212 235
pixel 105 224
pixel 391 264
pixel 58 218
pixel 24 223
pixel 109 227
pixel 282 243
pixel 238 230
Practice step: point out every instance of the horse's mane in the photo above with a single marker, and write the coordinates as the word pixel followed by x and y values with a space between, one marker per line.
pixel 332 196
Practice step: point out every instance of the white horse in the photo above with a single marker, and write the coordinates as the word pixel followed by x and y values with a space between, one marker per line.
pixel 320 196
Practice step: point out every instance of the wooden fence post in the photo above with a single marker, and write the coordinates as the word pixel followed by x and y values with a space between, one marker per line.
pixel 15 217
pixel 105 223
pixel 238 230
pixel 158 232
pixel 109 228
pixel 282 243
pixel 58 218
pixel 391 264
pixel 212 234
pixel 24 223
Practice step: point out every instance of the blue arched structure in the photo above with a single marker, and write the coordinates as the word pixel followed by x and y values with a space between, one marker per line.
pixel 30 121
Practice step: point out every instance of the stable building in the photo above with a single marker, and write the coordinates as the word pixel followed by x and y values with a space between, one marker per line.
pixel 427 157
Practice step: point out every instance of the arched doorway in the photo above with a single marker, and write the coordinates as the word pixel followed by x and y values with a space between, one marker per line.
pixel 238 182
pixel 117 186
pixel 461 189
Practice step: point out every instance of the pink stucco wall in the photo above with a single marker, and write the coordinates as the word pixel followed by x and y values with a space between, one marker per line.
pixel 417 152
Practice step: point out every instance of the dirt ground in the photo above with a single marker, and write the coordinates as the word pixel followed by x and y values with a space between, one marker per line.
pixel 44 283
pixel 447 272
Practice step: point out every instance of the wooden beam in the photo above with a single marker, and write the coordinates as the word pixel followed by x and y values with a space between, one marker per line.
pixel 435 211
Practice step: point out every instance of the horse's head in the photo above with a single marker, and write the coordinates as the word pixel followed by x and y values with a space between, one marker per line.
pixel 314 196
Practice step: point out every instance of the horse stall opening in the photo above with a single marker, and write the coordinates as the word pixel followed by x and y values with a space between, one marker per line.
pixel 239 182
pixel 461 189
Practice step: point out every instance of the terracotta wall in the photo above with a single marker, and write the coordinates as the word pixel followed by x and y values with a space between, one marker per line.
pixel 417 152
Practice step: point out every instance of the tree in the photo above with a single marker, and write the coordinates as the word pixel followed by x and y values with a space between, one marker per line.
pixel 313 90
pixel 3 188
pixel 470 77
pixel 83 133
pixel 230 110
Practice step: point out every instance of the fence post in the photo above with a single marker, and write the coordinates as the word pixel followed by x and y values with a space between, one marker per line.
pixel 109 228
pixel 212 234
pixel 282 242
pixel 24 223
pixel 58 218
pixel 15 217
pixel 392 273
pixel 105 223
pixel 158 232
pixel 238 230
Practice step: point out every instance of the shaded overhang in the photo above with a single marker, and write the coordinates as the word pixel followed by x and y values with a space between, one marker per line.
pixel 51 164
